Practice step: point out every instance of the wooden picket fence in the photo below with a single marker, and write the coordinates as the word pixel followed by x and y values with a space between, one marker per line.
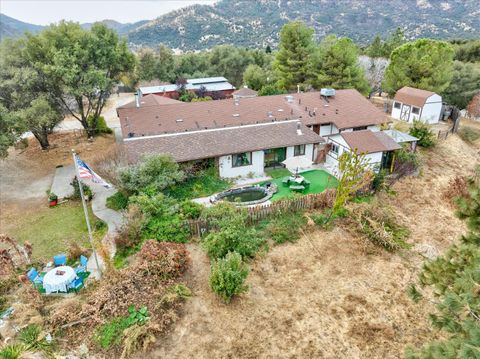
pixel 258 213
pixel 443 134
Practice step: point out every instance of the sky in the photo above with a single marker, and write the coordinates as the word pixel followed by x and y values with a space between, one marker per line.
pixel 43 12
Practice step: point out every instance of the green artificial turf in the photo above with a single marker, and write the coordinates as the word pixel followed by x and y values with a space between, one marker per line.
pixel 319 182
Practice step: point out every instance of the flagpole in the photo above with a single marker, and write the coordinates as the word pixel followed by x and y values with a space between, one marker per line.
pixel 85 211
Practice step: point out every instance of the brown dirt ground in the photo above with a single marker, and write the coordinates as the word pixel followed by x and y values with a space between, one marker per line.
pixel 329 295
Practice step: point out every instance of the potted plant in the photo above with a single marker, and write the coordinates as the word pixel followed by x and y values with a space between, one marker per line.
pixel 52 198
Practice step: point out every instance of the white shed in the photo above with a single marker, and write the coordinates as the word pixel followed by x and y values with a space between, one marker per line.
pixel 414 104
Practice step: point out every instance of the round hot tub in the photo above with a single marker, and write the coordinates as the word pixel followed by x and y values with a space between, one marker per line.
pixel 247 196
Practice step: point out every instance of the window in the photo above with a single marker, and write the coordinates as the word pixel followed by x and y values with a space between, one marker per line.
pixel 396 105
pixel 242 159
pixel 335 148
pixel 415 110
pixel 299 150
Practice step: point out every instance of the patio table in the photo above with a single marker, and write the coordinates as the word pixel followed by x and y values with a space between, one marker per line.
pixel 53 282
pixel 298 179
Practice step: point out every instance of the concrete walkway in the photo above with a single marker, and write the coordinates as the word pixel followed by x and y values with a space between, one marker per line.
pixel 61 182
pixel 113 219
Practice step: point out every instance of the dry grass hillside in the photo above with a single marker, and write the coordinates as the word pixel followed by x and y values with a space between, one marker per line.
pixel 330 295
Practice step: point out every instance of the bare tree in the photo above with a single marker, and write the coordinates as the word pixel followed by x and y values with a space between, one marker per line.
pixel 374 68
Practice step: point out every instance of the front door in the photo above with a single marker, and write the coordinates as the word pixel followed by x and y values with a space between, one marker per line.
pixel 405 113
pixel 274 157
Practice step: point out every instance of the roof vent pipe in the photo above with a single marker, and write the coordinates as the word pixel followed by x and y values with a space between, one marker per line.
pixel 299 130
pixel 137 100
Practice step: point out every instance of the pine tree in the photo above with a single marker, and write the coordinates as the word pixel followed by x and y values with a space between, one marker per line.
pixel 292 63
pixel 337 65
pixel 424 64
pixel 376 48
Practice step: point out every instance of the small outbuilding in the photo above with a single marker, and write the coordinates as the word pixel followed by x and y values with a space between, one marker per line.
pixel 411 104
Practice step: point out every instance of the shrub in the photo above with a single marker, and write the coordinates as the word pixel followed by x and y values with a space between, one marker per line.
pixel 191 210
pixel 152 174
pixel 269 90
pixel 87 191
pixel 245 241
pixel 117 201
pixel 378 225
pixel 457 187
pixel 13 351
pixel 423 132
pixel 163 219
pixel 137 337
pixel 111 333
pixel 74 252
pixel 223 213
pixel 469 134
pixel 130 234
pixel 228 275
pixel 101 125
pixel 286 228
pixel 406 163
pixel 32 339
pixel 378 182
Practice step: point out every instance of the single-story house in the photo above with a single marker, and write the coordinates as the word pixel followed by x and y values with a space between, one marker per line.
pixel 376 146
pixel 238 150
pixel 244 92
pixel 248 135
pixel 411 104
pixel 217 87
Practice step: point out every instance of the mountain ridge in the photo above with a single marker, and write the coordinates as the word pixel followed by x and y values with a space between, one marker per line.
pixel 256 24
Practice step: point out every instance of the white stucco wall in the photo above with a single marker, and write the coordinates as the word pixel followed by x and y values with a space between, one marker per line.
pixel 308 151
pixel 227 171
pixel 374 159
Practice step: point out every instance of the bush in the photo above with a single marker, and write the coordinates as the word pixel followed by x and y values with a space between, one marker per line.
pixel 130 234
pixel 469 134
pixel 111 333
pixel 406 163
pixel 163 220
pixel 423 132
pixel 101 125
pixel 228 275
pixel 74 252
pixel 151 175
pixel 191 210
pixel 286 228
pixel 117 201
pixel 87 191
pixel 230 232
pixel 245 241
pixel 378 182
pixel 269 90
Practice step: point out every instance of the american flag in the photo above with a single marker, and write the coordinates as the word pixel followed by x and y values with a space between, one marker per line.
pixel 84 171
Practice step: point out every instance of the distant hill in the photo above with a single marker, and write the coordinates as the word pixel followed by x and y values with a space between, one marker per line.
pixel 257 23
pixel 10 27
pixel 120 28
pixel 250 23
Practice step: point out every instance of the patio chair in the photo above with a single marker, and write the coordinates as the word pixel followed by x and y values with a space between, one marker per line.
pixel 77 284
pixel 286 181
pixel 34 277
pixel 60 260
pixel 82 267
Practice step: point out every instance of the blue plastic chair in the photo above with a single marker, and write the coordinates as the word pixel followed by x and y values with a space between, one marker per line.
pixel 60 260
pixel 77 284
pixel 34 276
pixel 82 267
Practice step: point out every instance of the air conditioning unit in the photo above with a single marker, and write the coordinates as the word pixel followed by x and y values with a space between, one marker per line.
pixel 327 92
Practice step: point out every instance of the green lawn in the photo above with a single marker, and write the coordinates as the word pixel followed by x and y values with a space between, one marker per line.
pixel 319 179
pixel 51 230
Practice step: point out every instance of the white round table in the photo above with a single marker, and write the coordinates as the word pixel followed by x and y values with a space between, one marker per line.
pixel 53 282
